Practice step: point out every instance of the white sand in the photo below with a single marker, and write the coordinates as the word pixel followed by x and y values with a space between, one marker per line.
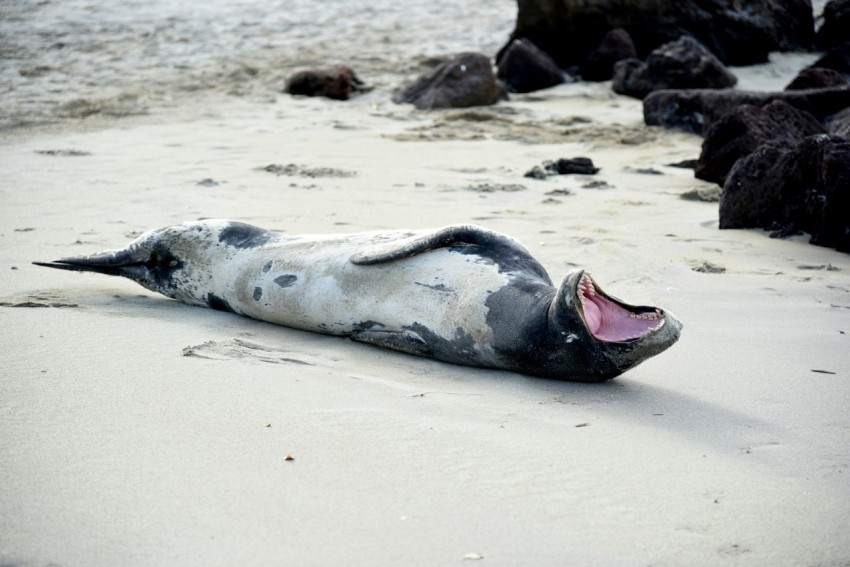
pixel 729 449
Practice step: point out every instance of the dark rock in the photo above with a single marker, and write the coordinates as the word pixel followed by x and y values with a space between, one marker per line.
pixel 684 164
pixel 738 33
pixel 696 110
pixel 337 82
pixel 795 24
pixel 563 166
pixel 616 46
pixel 806 188
pixel 741 131
pixel 629 75
pixel 536 172
pixel 836 58
pixel 681 64
pixel 839 123
pixel 467 80
pixel 816 78
pixel 579 165
pixel 835 29
pixel 525 68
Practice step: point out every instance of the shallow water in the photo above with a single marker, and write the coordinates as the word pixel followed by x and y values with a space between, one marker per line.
pixel 62 61
pixel 74 58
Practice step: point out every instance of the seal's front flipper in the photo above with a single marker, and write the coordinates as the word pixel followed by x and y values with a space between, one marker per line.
pixel 422 242
pixel 404 341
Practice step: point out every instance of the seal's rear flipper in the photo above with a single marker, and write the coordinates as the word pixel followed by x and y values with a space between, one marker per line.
pixel 440 238
pixel 404 341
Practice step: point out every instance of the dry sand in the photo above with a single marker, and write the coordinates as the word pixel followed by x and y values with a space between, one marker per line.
pixel 135 430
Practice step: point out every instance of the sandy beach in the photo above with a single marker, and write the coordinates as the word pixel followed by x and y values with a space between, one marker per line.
pixel 136 430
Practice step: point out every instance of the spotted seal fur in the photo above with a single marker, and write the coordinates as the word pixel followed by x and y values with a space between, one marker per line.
pixel 461 294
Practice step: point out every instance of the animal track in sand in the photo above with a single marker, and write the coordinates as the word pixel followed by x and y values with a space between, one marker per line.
pixel 496 187
pixel 706 267
pixel 64 153
pixel 36 300
pixel 240 349
pixel 297 170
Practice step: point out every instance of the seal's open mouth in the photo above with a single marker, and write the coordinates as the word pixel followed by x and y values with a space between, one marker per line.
pixel 609 320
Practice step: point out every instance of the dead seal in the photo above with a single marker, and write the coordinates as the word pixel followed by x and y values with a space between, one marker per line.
pixel 460 294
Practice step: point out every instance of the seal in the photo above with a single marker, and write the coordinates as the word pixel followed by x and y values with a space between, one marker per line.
pixel 461 294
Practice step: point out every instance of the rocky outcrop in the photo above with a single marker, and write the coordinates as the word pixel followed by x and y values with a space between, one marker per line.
pixel 816 78
pixel 836 58
pixel 806 188
pixel 793 21
pixel 466 80
pixel 680 64
pixel 738 33
pixel 337 82
pixel 616 46
pixel 835 29
pixel 696 110
pixel 525 68
pixel 839 123
pixel 742 131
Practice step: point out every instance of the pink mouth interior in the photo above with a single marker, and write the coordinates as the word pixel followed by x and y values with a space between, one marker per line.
pixel 610 321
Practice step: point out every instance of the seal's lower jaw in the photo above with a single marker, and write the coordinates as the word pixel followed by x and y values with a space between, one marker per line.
pixel 609 320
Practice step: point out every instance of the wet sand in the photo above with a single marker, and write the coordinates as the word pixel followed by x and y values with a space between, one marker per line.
pixel 139 431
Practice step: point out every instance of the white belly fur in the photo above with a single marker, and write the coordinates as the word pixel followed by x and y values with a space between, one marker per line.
pixel 438 289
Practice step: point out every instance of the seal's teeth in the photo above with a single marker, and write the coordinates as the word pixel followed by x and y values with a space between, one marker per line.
pixel 651 316
pixel 586 286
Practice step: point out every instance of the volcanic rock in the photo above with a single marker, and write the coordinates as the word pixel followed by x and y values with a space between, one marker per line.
pixel 806 188
pixel 681 64
pixel 696 110
pixel 836 58
pixel 835 29
pixel 525 68
pixel 337 82
pixel 467 80
pixel 616 46
pixel 738 33
pixel 742 131
pixel 816 78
